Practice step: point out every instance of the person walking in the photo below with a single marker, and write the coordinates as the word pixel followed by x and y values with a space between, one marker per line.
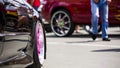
pixel 99 7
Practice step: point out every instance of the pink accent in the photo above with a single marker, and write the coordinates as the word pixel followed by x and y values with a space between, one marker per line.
pixel 38 38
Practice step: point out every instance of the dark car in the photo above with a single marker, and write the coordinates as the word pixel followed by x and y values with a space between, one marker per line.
pixel 24 46
pixel 63 15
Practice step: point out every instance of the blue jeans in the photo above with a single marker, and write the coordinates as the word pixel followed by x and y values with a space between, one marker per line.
pixel 36 8
pixel 102 9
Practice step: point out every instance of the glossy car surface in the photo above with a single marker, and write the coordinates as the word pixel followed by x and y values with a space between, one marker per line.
pixel 63 15
pixel 21 47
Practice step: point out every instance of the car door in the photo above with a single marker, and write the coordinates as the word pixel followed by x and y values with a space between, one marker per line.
pixel 114 12
pixel 13 42
pixel 82 10
pixel 85 10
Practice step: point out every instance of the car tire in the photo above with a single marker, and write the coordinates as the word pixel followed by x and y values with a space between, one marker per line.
pixel 39 43
pixel 61 23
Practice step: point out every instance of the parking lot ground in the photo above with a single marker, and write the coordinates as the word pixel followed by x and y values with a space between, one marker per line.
pixel 80 51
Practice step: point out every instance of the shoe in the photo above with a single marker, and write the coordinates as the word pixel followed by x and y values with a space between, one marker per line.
pixel 77 31
pixel 94 36
pixel 106 39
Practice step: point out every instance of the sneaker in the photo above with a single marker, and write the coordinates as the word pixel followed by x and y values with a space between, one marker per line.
pixel 106 39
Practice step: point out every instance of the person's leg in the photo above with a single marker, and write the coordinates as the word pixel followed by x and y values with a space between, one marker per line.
pixel 77 28
pixel 36 8
pixel 104 17
pixel 95 17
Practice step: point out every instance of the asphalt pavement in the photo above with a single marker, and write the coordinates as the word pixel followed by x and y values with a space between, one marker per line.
pixel 80 51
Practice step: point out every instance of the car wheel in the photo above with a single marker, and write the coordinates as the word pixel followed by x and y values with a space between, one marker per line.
pixel 88 28
pixel 39 42
pixel 61 23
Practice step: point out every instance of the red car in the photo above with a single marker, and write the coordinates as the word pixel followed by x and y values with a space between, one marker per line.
pixel 63 15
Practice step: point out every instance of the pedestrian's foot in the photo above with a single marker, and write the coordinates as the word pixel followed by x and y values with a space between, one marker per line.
pixel 106 39
pixel 77 31
pixel 94 36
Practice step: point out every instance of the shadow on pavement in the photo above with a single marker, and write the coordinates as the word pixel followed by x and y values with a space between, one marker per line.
pixel 108 50
pixel 84 36
pixel 85 41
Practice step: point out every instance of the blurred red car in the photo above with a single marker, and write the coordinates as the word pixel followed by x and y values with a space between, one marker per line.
pixel 63 15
